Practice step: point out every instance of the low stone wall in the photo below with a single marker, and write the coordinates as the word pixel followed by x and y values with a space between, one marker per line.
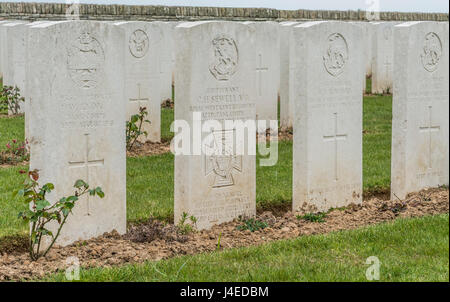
pixel 57 11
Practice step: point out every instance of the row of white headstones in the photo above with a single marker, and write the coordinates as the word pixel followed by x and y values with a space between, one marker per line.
pixel 272 69
pixel 77 74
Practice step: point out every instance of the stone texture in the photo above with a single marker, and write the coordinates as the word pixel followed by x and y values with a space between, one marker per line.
pixel 420 136
pixel 366 45
pixel 215 63
pixel 24 92
pixel 326 58
pixel 15 55
pixel 76 77
pixel 5 28
pixel 143 45
pixel 286 106
pixel 2 43
pixel 382 56
pixel 267 69
pixel 167 61
pixel 56 11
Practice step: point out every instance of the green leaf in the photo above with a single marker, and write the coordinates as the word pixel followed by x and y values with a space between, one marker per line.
pixel 65 211
pixel 41 204
pixel 79 184
pixel 72 198
pixel 100 193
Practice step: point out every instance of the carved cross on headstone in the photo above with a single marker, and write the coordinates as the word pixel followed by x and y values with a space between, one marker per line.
pixel 86 163
pixel 260 69
pixel 429 128
pixel 139 98
pixel 335 137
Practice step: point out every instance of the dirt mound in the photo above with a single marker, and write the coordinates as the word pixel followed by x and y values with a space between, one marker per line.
pixel 155 240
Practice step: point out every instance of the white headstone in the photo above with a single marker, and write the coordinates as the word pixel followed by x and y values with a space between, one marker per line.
pixel 215 63
pixel 267 69
pixel 23 90
pixel 420 136
pixel 142 75
pixel 365 49
pixel 286 106
pixel 326 58
pixel 166 66
pixel 382 56
pixel 6 39
pixel 3 42
pixel 28 97
pixel 76 78
pixel 15 54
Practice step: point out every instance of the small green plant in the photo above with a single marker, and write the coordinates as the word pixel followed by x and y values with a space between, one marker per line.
pixel 15 152
pixel 41 212
pixel 184 227
pixel 10 99
pixel 251 224
pixel 134 127
pixel 218 242
pixel 313 217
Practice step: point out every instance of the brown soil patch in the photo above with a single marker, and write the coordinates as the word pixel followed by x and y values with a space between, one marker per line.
pixel 15 164
pixel 155 240
pixel 148 148
pixel 14 244
pixel 5 115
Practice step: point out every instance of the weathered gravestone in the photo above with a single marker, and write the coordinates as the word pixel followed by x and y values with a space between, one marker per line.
pixel 76 78
pixel 3 42
pixel 365 52
pixel 420 156
pixel 6 38
pixel 15 59
pixel 267 69
pixel 286 106
pixel 2 22
pixel 142 74
pixel 326 58
pixel 368 32
pixel 24 89
pixel 215 63
pixel 166 62
pixel 382 56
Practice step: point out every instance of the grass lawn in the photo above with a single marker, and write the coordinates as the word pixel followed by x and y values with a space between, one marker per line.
pixel 409 250
pixel 150 179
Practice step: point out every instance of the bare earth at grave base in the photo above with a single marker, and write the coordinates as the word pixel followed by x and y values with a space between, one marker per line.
pixel 155 240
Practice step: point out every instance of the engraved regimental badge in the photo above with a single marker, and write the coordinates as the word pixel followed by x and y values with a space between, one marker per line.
pixel 336 54
pixel 431 52
pixel 85 59
pixel 225 57
pixel 138 43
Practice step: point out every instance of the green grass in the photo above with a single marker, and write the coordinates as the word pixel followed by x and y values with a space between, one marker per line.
pixel 377 112
pixel 10 179
pixel 409 250
pixel 167 116
pixel 11 128
pixel 368 85
pixel 150 179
